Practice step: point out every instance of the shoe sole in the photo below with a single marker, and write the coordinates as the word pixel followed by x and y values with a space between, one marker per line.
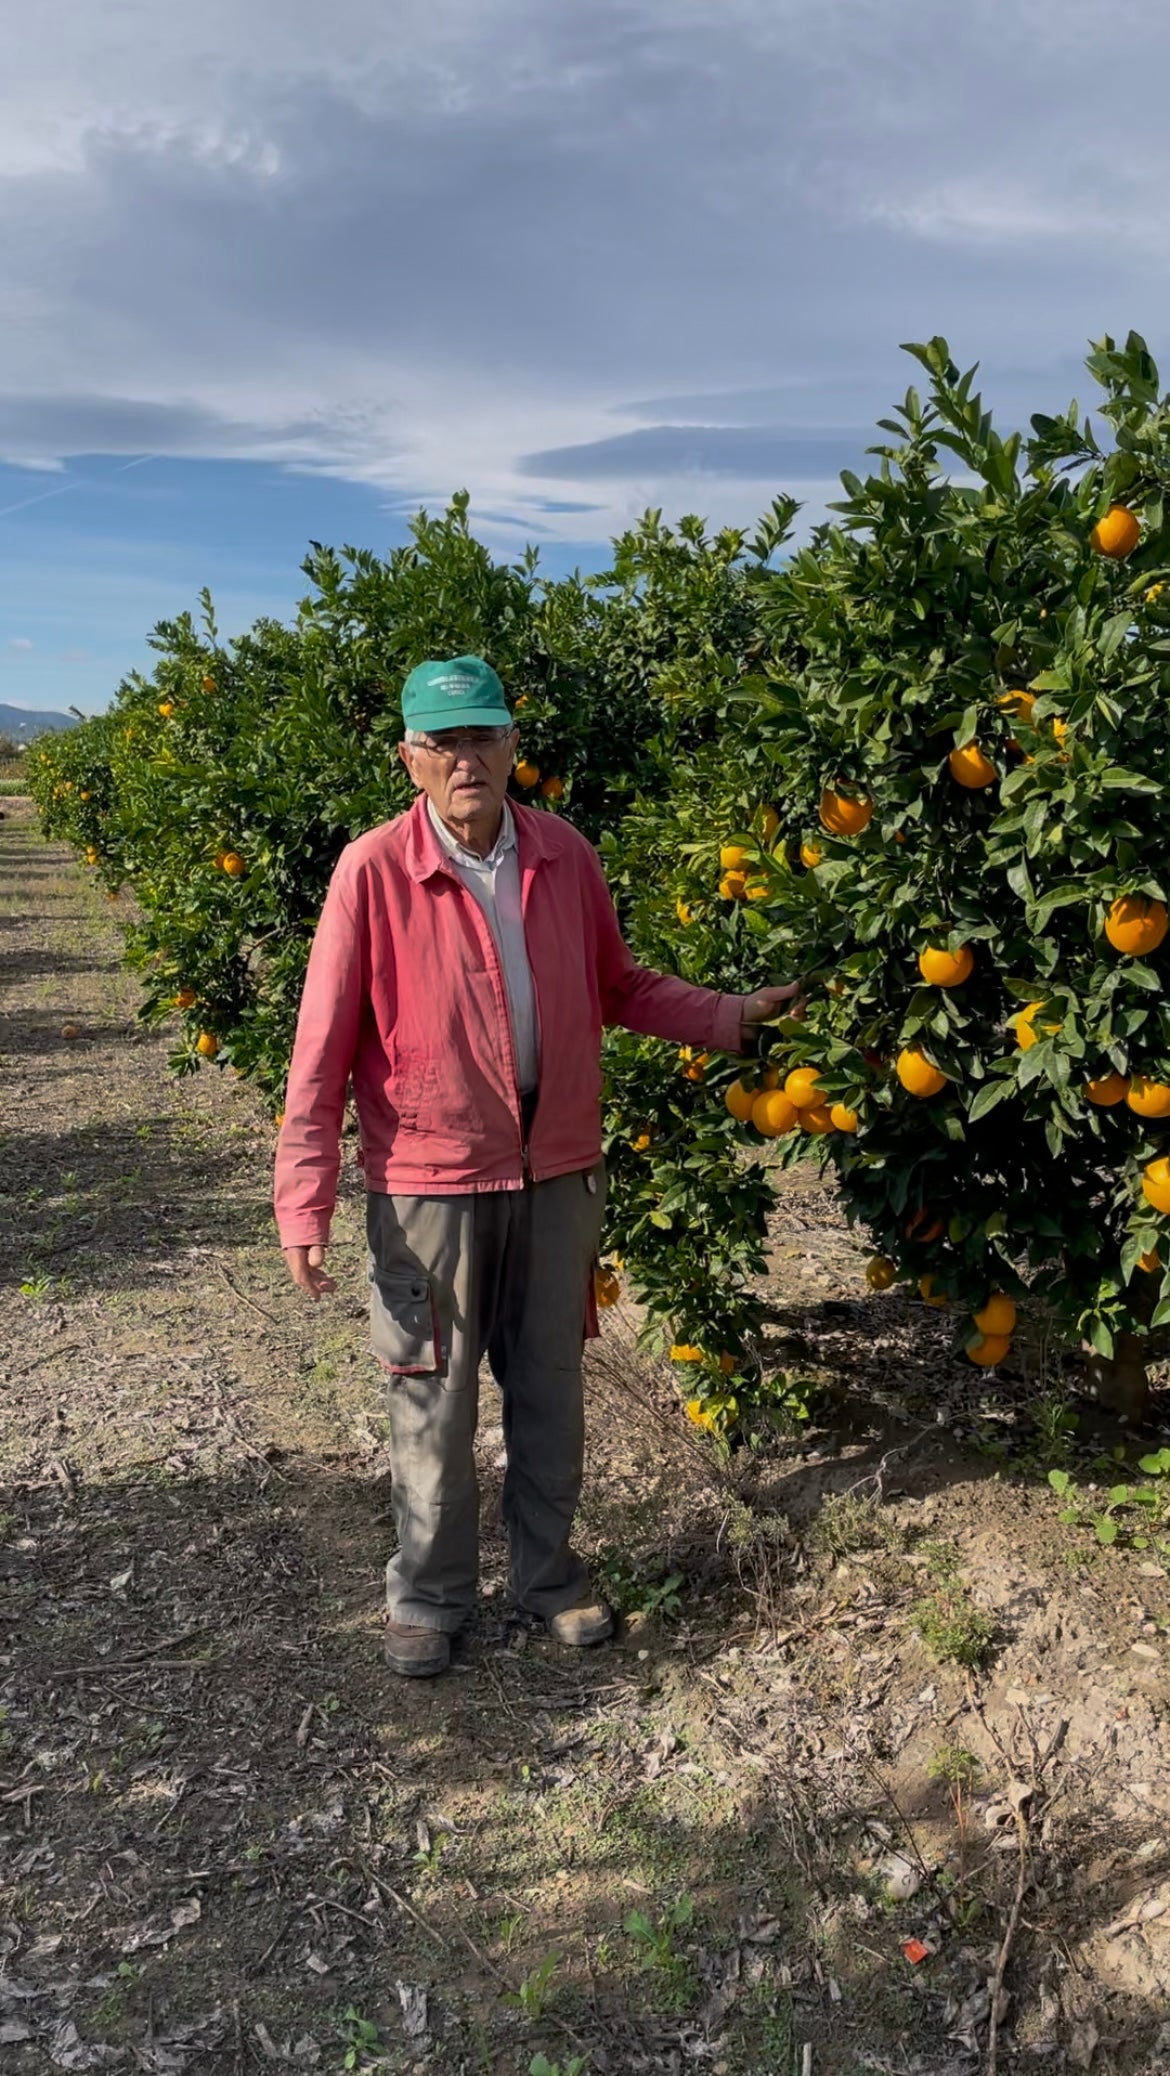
pixel 417 1668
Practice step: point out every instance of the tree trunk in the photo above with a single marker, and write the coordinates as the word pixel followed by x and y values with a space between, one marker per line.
pixel 1122 1380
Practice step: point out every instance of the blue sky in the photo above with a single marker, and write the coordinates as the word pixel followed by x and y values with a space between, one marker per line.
pixel 282 272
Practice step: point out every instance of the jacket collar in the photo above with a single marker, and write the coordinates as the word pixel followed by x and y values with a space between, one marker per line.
pixel 424 854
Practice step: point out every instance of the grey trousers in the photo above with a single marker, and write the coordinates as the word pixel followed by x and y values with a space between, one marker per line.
pixel 506 1273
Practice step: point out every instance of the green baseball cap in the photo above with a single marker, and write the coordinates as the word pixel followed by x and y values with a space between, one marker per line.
pixel 463 693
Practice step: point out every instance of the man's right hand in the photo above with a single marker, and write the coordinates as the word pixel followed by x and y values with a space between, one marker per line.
pixel 305 1267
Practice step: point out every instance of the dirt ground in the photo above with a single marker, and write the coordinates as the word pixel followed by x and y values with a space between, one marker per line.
pixel 875 1778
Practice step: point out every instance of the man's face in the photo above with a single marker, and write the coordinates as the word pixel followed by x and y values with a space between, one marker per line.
pixel 463 772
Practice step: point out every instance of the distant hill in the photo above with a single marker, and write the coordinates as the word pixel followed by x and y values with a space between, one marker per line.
pixel 23 722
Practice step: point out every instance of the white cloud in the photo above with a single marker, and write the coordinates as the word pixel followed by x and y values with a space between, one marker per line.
pixel 413 243
pixel 21 643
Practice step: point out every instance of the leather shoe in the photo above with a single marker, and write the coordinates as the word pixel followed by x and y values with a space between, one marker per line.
pixel 416 1653
pixel 590 1621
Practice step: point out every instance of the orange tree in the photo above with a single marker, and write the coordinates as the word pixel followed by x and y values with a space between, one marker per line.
pixel 962 730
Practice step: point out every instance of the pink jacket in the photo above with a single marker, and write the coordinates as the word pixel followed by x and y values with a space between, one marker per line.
pixel 405 994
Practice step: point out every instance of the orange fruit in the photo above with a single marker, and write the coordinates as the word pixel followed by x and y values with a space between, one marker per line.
pixel 233 864
pixel 880 1272
pixel 989 1349
pixel 166 708
pixel 918 1075
pixel 684 914
pixel 278 1120
pixel 843 1119
pixel 207 1044
pixel 740 1101
pixel 185 999
pixel 1018 704
pixel 811 855
pixel 526 773
pixel 553 789
pixel 91 856
pixel 70 1031
pixel 770 1078
pixel 522 701
pixel 770 822
pixel 697 1070
pixel 971 768
pixel 641 1142
pixel 1106 1090
pixel 1156 1184
pixel 732 886
pixel 1149 1098
pixel 773 1113
pixel 1136 925
pixel 1025 1026
pixel 927 1292
pixel 845 814
pixel 1117 534
pixel 85 796
pixel 923 1228
pixel 208 683
pixel 684 1351
pixel 757 890
pixel 997 1316
pixel 606 1287
pixel 1151 1262
pixel 815 1118
pixel 946 969
pixel 733 857
pixel 697 1414
pixel 803 1088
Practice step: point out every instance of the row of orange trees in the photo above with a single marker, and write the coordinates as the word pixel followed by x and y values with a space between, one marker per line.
pixel 923 760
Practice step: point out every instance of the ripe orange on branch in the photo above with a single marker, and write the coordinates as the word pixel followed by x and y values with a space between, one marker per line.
pixel 733 885
pixel 1117 534
pixel 803 1089
pixel 845 814
pixel 207 1044
pixel 733 857
pixel 880 1272
pixel 1136 925
pixel 997 1316
pixel 970 768
pixel 232 864
pixel 740 1101
pixel 1107 1090
pixel 1156 1184
pixel 844 1119
pixel 816 1118
pixel 946 969
pixel 773 1113
pixel 1025 1026
pixel 1148 1098
pixel 918 1075
pixel 989 1349
pixel 552 789
pixel 526 774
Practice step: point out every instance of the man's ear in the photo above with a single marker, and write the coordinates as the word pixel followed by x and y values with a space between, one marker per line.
pixel 404 753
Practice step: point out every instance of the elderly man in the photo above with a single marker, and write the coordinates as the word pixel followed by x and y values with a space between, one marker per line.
pixel 466 960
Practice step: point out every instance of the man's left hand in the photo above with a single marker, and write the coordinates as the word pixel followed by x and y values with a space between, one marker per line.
pixel 763 1006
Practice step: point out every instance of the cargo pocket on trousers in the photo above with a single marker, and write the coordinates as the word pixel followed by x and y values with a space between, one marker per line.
pixel 404 1323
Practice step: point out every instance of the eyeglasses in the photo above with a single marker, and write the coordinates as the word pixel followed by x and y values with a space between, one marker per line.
pixel 450 744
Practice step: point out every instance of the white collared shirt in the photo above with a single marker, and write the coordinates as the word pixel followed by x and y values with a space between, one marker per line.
pixel 495 883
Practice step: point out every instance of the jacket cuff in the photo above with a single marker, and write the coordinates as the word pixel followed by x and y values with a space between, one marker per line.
pixel 727 1034
pixel 304 1232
